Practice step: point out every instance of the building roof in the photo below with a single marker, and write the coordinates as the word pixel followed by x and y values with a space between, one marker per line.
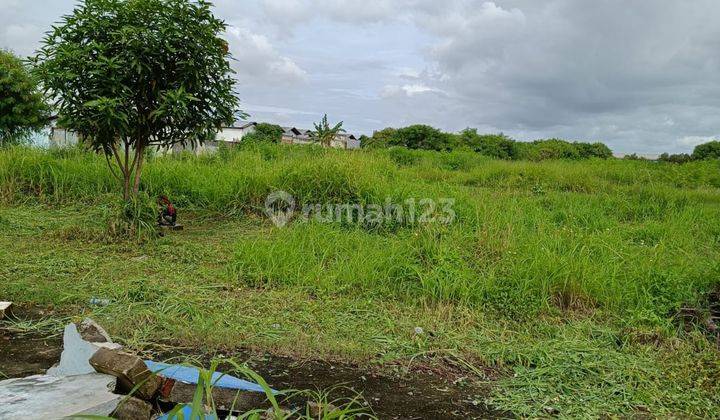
pixel 243 124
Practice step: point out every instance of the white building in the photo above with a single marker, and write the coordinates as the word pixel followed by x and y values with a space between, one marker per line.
pixel 61 137
pixel 294 135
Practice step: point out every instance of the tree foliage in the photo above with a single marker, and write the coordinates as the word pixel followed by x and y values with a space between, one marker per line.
pixel 709 150
pixel 421 136
pixel 127 75
pixel 324 133
pixel 266 133
pixel 675 158
pixel 498 146
pixel 23 109
pixel 379 139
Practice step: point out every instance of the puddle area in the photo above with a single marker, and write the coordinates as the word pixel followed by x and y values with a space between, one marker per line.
pixel 391 392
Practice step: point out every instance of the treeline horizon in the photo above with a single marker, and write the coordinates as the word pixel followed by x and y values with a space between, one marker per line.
pixel 496 145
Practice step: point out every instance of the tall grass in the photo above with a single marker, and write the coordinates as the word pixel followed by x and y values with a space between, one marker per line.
pixel 631 238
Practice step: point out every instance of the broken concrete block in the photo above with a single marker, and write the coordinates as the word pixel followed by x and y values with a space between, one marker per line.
pixel 92 332
pixel 77 352
pixel 130 370
pixel 177 392
pixel 49 397
pixel 131 408
pixel 5 309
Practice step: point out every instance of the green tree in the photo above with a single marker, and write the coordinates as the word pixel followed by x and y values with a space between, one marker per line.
pixel 494 145
pixel 709 150
pixel 591 150
pixel 364 140
pixel 23 109
pixel 380 139
pixel 127 75
pixel 421 137
pixel 264 132
pixel 324 134
pixel 677 158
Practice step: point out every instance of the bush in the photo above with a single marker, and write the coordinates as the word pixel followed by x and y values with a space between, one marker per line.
pixel 421 137
pixel 22 106
pixel 679 158
pixel 593 150
pixel 498 146
pixel 379 139
pixel 136 217
pixel 710 150
pixel 264 132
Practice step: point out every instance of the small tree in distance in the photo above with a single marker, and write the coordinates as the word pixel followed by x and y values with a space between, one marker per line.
pixel 324 134
pixel 709 150
pixel 264 132
pixel 127 75
pixel 22 106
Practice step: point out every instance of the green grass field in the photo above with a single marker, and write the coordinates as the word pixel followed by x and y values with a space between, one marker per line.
pixel 564 276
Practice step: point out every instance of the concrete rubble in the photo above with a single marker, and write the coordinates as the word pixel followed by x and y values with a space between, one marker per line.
pixel 95 377
pixel 132 373
pixel 5 310
pixel 131 408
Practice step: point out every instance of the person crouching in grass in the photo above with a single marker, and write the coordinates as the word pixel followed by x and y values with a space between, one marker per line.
pixel 168 214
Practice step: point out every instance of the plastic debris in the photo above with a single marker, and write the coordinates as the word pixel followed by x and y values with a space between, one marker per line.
pixel 99 302
pixel 77 351
pixel 5 309
pixel 49 397
pixel 190 375
pixel 186 413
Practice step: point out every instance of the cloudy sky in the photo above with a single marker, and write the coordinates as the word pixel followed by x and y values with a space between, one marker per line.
pixel 642 76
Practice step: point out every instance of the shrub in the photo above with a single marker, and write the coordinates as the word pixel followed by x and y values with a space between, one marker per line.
pixel 593 150
pixel 380 139
pixel 679 158
pixel 264 132
pixel 22 107
pixel 498 146
pixel 421 137
pixel 710 150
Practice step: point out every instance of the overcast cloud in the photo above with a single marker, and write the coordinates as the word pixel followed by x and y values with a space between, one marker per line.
pixel 642 76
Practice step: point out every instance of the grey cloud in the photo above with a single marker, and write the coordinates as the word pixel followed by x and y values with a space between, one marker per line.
pixel 643 76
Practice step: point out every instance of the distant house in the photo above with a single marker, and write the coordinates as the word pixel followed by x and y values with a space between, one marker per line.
pixel 346 141
pixel 226 135
pixel 294 135
pixel 61 137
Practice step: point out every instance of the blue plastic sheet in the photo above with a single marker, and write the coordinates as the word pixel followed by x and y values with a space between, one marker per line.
pixel 190 375
pixel 186 414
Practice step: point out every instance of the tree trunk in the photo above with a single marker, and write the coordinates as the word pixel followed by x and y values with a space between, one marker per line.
pixel 140 157
pixel 126 186
pixel 131 170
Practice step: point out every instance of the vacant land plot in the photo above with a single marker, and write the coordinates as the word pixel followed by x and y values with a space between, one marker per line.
pixel 558 284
